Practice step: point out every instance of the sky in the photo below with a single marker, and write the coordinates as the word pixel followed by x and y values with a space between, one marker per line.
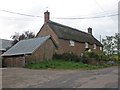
pixel 61 11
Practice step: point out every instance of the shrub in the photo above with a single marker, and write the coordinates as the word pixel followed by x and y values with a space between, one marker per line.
pixel 67 57
pixel 84 59
pixel 87 58
pixel 114 58
pixel 90 58
pixel 91 55
pixel 102 57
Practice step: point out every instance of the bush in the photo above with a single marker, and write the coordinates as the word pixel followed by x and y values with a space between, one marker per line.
pixel 91 55
pixel 84 59
pixel 67 57
pixel 90 58
pixel 114 58
pixel 87 58
pixel 102 57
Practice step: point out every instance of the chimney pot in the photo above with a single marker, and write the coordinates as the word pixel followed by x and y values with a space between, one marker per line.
pixel 46 16
pixel 90 30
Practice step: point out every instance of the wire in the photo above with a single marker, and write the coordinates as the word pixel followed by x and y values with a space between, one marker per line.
pixel 19 13
pixel 97 14
pixel 20 19
pixel 90 17
pixel 104 10
pixel 93 17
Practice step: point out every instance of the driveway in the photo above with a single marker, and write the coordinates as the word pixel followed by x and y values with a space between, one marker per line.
pixel 27 78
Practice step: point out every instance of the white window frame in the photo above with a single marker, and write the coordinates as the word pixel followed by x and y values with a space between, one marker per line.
pixel 86 45
pixel 94 46
pixel 100 48
pixel 89 50
pixel 72 43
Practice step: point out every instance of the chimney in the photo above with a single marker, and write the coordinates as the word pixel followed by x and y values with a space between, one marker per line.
pixel 46 16
pixel 90 30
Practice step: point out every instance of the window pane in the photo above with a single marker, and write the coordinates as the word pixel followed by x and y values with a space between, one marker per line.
pixel 86 45
pixel 72 43
pixel 101 48
pixel 94 46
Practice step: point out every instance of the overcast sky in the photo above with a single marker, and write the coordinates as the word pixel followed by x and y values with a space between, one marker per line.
pixel 11 23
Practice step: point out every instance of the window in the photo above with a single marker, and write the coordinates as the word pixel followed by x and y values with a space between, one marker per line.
pixel 89 50
pixel 100 48
pixel 86 45
pixel 72 43
pixel 94 47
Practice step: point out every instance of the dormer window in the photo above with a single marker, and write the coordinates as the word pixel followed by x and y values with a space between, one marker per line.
pixel 94 46
pixel 72 43
pixel 86 45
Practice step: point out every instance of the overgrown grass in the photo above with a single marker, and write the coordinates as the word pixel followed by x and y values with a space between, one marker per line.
pixel 61 64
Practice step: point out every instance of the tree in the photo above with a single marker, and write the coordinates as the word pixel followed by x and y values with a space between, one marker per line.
pixel 111 43
pixel 26 35
pixel 108 45
pixel 117 41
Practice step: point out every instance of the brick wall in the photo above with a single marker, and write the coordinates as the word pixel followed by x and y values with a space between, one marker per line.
pixel 45 51
pixel 97 48
pixel 46 30
pixel 14 61
pixel 64 45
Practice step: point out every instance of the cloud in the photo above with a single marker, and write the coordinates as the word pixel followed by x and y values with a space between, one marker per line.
pixel 11 23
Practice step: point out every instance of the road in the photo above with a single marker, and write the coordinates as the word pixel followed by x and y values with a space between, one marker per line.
pixel 26 78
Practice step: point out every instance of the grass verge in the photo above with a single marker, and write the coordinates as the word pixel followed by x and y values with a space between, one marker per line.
pixel 60 64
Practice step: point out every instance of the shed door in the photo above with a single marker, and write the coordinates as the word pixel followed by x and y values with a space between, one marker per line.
pixel 15 61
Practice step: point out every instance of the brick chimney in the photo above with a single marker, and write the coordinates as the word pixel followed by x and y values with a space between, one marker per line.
pixel 90 30
pixel 46 16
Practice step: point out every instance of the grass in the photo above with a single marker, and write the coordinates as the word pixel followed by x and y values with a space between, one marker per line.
pixel 60 64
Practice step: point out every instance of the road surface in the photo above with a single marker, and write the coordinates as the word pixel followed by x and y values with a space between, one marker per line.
pixel 27 78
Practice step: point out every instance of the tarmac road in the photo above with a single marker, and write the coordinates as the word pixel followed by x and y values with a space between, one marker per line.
pixel 26 78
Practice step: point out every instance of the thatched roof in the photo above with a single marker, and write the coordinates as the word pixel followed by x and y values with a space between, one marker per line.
pixel 68 33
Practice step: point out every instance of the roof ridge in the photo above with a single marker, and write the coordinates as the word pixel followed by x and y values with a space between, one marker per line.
pixel 69 27
pixel 35 38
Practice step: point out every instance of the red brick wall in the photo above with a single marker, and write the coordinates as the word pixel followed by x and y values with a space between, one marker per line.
pixel 45 51
pixel 64 45
pixel 92 48
pixel 98 49
pixel 14 61
pixel 46 30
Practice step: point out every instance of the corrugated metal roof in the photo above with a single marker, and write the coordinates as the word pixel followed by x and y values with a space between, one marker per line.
pixel 26 46
pixel 4 44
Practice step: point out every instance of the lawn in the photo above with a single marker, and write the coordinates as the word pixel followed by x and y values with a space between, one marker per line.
pixel 61 64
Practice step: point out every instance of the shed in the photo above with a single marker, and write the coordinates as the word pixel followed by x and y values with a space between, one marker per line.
pixel 29 51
